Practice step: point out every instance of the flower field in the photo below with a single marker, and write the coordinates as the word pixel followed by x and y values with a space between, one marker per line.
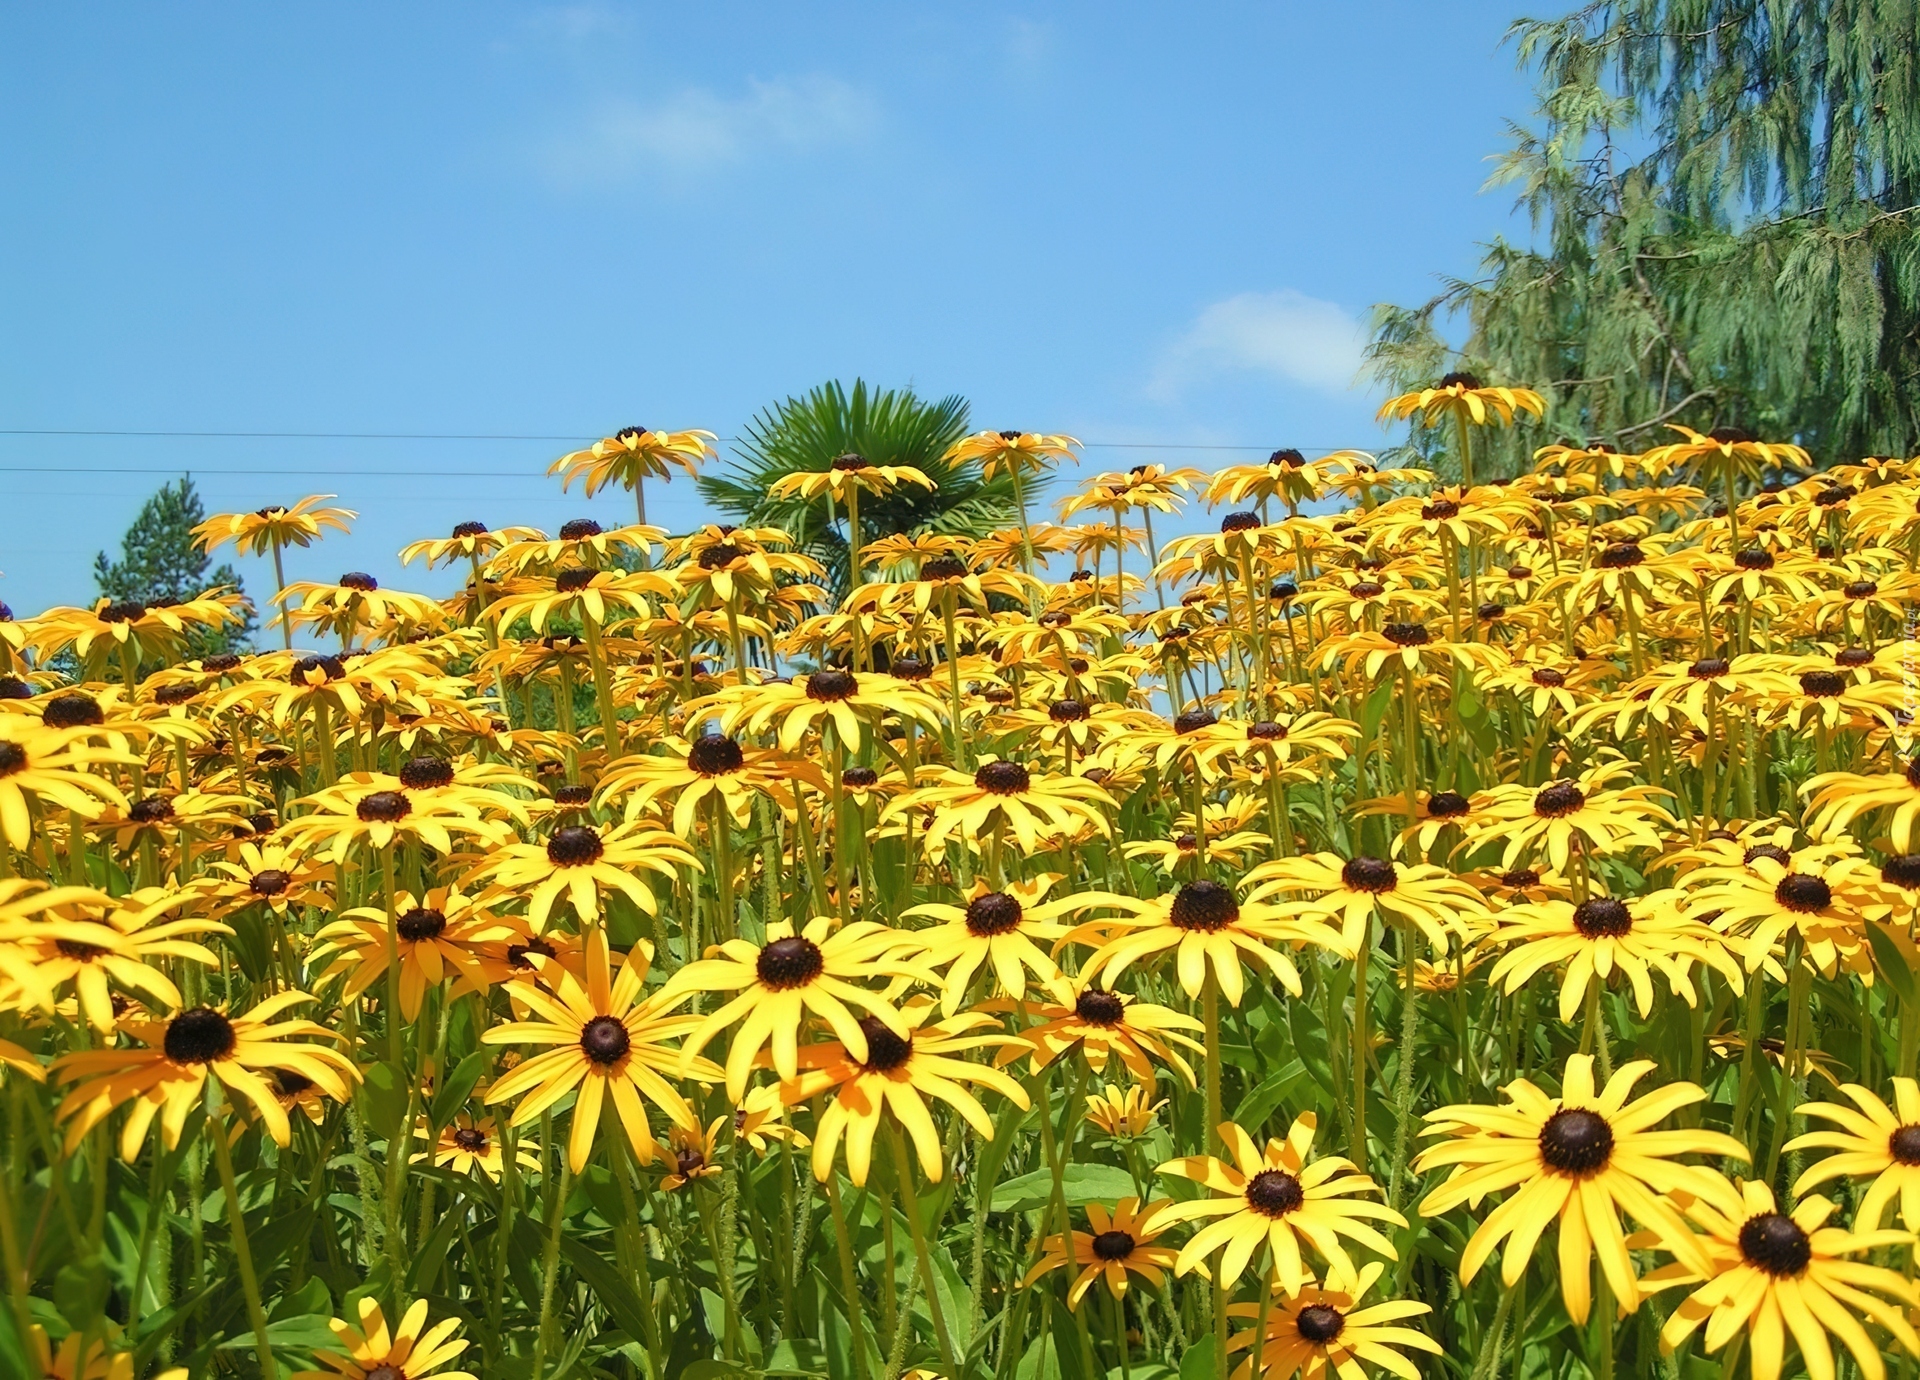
pixel 1409 928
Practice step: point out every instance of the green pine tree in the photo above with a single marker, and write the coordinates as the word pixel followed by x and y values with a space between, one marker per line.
pixel 1724 196
pixel 159 564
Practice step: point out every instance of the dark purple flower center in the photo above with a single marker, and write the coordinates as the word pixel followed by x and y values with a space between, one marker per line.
pixel 1775 1243
pixel 575 845
pixel 1576 1141
pixel 605 1040
pixel 1406 634
pixel 886 1051
pixel 1098 1007
pixel 1274 1193
pixel 1203 906
pixel 1559 799
pixel 1319 1324
pixel 198 1036
pixel 1369 874
pixel 1112 1245
pixel 1002 778
pixel 790 962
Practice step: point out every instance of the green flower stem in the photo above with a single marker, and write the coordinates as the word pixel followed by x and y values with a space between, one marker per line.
pixel 849 1278
pixel 1358 1151
pixel 550 1264
pixel 216 1133
pixel 910 1203
pixel 602 686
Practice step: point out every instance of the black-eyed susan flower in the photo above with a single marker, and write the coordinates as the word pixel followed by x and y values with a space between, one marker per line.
pixel 269 529
pixel 606 1040
pixel 1871 1140
pixel 438 934
pixel 55 769
pixel 898 1075
pixel 580 863
pixel 95 942
pixel 1103 1025
pixel 1773 1275
pixel 1592 809
pixel 1124 1112
pixel 711 767
pixel 369 813
pixel 1283 1198
pixel 1316 1330
pixel 1118 1242
pixel 997 929
pixel 1581 1158
pixel 1637 936
pixel 1837 798
pixel 265 873
pixel 1349 892
pixel 373 1352
pixel 468 1144
pixel 1003 796
pixel 169 1075
pixel 693 1155
pixel 1210 930
pixel 817 971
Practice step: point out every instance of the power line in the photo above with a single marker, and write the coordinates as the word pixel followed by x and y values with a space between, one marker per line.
pixel 489 436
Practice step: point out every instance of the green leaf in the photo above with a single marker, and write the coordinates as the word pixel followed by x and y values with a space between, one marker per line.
pixel 1890 961
pixel 303 1335
pixel 1198 1363
pixel 1082 1183
pixel 796 1357
pixel 453 1093
pixel 386 1094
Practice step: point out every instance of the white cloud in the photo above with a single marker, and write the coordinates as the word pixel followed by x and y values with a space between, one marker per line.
pixel 1286 334
pixel 697 128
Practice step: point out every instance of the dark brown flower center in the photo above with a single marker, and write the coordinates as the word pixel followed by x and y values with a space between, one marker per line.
pixel 573 797
pixel 579 529
pixel 1266 731
pixel 1549 677
pixel 1068 712
pixel 1803 893
pixel 1559 799
pixel 1822 685
pixel 1708 668
pixel 575 845
pixel 1002 778
pixel 1319 1324
pixel 886 1051
pixel 1775 1243
pixel 291 1084
pixel 1520 878
pixel 78 952
pixel 719 555
pixel 13 688
pixel 470 1139
pixel 1447 804
pixel 198 1036
pixel 420 924
pixel 72 710
pixel 1754 559
pixel 1766 850
pixel 1440 510
pixel 943 568
pixel 790 962
pixel 13 757
pixel 383 807
pixel 1203 906
pixel 831 684
pixel 1852 657
pixel 574 580
pixel 1576 1141
pixel 1621 556
pixel 1239 522
pixel 270 881
pixel 1369 874
pixel 462 530
pixel 715 754
pixel 1274 1193
pixel 359 580
pixel 426 773
pixel 1730 435
pixel 517 953
pixel 996 912
pixel 1193 720
pixel 1460 378
pixel 1098 1007
pixel 1602 917
pixel 153 810
pixel 605 1040
pixel 386 1370
pixel 127 611
pixel 1903 871
pixel 1406 634
pixel 1112 1245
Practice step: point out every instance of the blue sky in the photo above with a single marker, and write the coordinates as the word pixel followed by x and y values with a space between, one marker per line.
pixel 1139 223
